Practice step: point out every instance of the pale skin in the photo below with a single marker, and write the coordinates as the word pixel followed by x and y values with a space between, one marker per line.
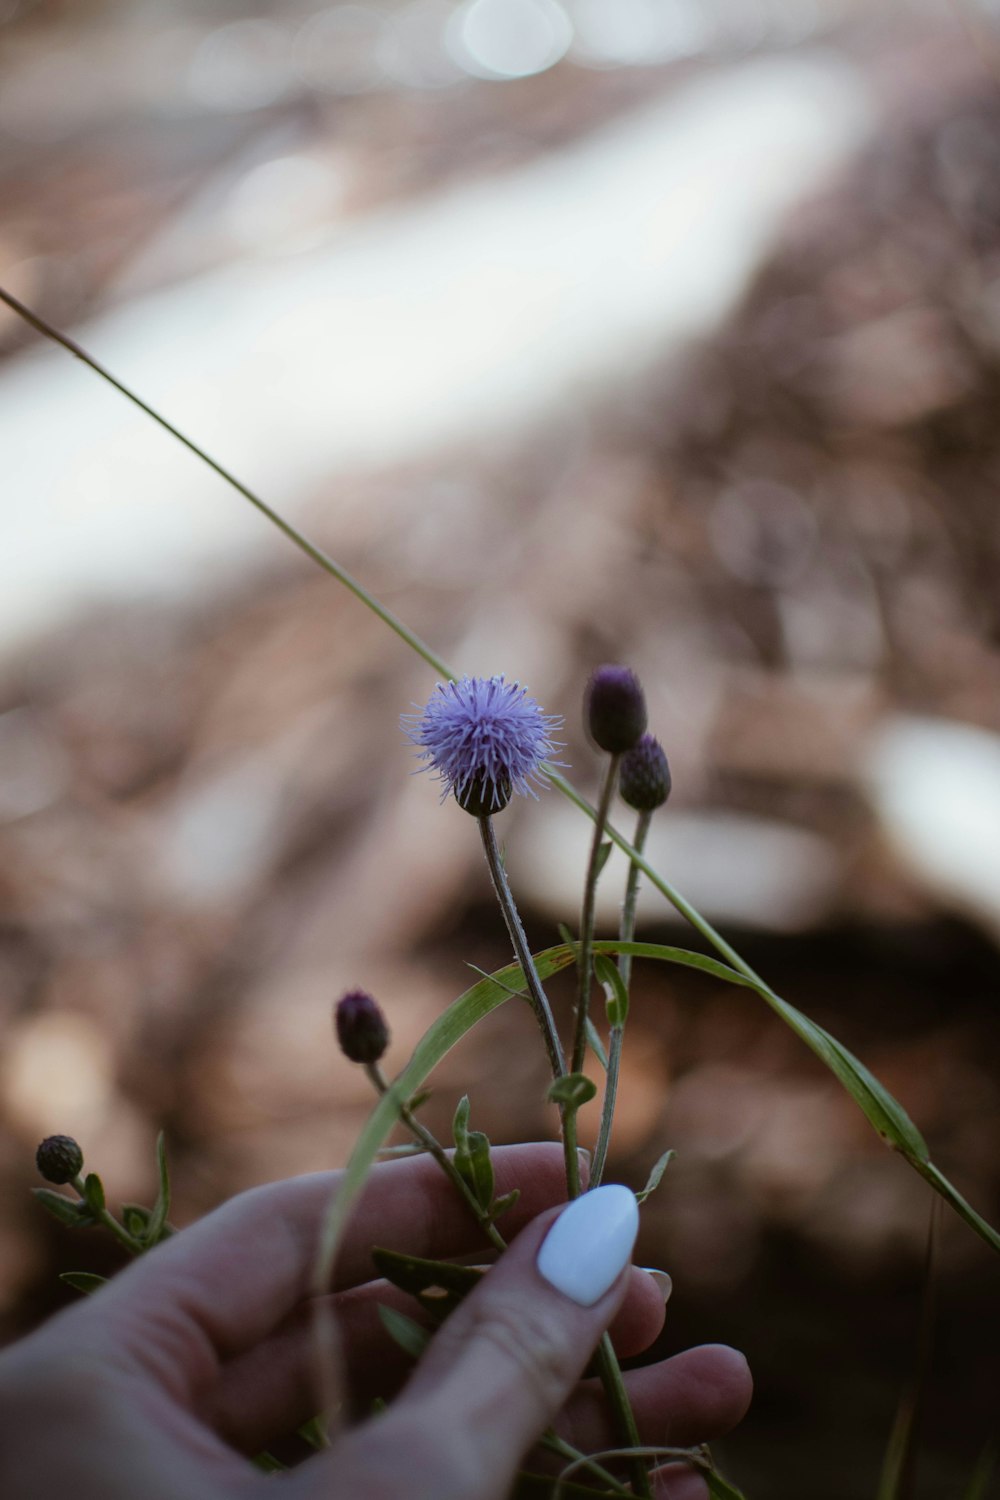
pixel 203 1352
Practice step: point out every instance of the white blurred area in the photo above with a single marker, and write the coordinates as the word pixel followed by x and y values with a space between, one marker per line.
pixel 338 334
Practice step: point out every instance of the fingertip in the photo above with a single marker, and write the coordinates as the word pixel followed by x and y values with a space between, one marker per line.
pixel 679 1482
pixel 641 1316
pixel 730 1374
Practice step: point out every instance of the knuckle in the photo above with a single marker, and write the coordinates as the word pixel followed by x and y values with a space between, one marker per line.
pixel 531 1341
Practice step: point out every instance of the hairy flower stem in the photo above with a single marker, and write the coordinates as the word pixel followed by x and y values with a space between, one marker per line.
pixel 537 997
pixel 585 959
pixel 444 1161
pixel 626 931
pixel 614 1388
pixel 109 1221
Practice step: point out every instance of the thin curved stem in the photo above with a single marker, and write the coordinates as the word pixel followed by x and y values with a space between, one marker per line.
pixel 292 532
pixel 585 958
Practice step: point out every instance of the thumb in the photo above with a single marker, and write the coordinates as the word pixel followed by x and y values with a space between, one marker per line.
pixel 505 1362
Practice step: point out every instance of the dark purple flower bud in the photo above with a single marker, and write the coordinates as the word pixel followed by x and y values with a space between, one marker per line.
pixel 361 1027
pixel 615 708
pixel 644 775
pixel 59 1159
pixel 482 796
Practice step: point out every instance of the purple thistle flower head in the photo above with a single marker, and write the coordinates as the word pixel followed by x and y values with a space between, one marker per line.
pixel 485 739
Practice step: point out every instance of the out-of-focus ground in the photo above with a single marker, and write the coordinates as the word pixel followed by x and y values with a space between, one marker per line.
pixel 789 526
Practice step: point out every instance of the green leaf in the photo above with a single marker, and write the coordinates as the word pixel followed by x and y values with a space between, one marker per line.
pixel 93 1192
pixel 71 1211
pixel 420 1097
pixel 656 1175
pixel 915 1152
pixel 500 1206
pixel 472 1155
pixel 158 1229
pixel 460 1124
pixel 267 1463
pixel 135 1217
pixel 616 1001
pixel 82 1281
pixel 410 1337
pixel 480 1170
pixel 597 1046
pixel 314 1433
pixel 880 1108
pixel 573 1090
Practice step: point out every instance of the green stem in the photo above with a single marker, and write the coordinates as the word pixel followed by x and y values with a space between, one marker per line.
pixel 536 994
pixel 444 1161
pixel 292 532
pixel 677 901
pixel 626 931
pixel 608 1105
pixel 109 1221
pixel 555 1444
pixel 626 928
pixel 538 999
pixel 614 1387
pixel 585 959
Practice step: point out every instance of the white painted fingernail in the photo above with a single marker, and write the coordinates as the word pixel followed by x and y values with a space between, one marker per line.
pixel 590 1243
pixel 664 1282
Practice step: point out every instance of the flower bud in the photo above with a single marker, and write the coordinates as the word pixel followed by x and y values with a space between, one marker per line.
pixel 59 1159
pixel 482 796
pixel 361 1027
pixel 644 775
pixel 615 708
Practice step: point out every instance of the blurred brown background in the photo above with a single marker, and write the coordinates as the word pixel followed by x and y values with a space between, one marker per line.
pixel 612 330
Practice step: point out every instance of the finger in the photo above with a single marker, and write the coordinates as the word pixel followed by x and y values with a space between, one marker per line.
pixel 227 1282
pixel 679 1482
pixel 501 1367
pixel 690 1398
pixel 271 1389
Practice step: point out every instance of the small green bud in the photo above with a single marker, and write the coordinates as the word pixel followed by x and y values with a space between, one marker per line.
pixel 59 1158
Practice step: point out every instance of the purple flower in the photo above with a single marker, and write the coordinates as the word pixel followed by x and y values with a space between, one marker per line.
pixel 485 739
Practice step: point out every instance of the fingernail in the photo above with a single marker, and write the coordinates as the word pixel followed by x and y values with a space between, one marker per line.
pixel 590 1243
pixel 664 1281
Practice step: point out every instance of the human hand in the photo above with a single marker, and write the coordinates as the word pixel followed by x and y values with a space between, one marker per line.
pixel 203 1351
